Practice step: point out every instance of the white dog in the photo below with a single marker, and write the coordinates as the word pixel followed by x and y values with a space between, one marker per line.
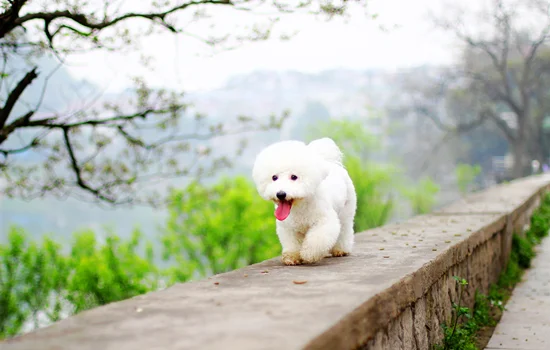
pixel 314 198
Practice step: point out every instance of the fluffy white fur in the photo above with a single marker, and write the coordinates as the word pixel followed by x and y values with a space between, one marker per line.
pixel 323 198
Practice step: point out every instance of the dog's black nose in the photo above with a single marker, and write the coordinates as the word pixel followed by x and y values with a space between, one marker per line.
pixel 281 195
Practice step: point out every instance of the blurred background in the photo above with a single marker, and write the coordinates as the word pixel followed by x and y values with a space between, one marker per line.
pixel 128 130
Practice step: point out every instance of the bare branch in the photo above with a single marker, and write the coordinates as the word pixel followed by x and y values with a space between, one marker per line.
pixel 509 133
pixel 499 58
pixel 14 96
pixel 19 122
pixel 8 18
pixel 542 38
pixel 459 128
pixel 527 67
pixel 494 91
pixel 30 145
pixel 83 20
pixel 50 122
pixel 78 172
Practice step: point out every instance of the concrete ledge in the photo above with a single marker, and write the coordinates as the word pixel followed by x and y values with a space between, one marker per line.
pixel 393 293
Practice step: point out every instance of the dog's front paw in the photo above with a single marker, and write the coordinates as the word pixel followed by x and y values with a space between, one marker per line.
pixel 291 258
pixel 336 252
pixel 310 256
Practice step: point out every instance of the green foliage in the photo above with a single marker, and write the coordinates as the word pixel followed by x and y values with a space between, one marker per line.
pixel 466 322
pixel 524 250
pixel 540 221
pixel 482 310
pixel 539 225
pixel 11 315
pixel 465 176
pixel 458 336
pixel 104 273
pixel 373 184
pixel 219 228
pixel 40 283
pixel 512 273
pixel 523 247
pixel 31 278
pixel 423 196
pixel 497 295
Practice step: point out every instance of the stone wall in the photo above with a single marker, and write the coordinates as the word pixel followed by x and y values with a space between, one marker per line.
pixel 392 293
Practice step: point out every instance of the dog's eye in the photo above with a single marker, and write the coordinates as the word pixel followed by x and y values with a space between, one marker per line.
pixel 294 177
pixel 274 177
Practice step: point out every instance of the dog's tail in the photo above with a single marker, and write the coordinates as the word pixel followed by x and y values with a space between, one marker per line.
pixel 327 149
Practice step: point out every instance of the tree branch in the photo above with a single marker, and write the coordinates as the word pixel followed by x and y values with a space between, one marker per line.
pixel 49 123
pixel 113 121
pixel 30 145
pixel 460 128
pixel 78 172
pixel 501 125
pixel 17 123
pixel 505 97
pixel 466 127
pixel 499 61
pixel 14 96
pixel 543 37
pixel 527 66
pixel 10 16
pixel 83 20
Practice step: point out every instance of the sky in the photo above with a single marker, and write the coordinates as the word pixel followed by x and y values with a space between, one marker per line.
pixel 401 36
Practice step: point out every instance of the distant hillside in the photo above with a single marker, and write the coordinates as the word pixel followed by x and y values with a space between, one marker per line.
pixel 341 93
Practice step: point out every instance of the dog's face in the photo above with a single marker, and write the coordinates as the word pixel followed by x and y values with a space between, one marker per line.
pixel 286 172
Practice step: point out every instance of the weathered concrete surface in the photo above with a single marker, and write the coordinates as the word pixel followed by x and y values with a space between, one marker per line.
pixel 504 198
pixel 392 293
pixel 525 323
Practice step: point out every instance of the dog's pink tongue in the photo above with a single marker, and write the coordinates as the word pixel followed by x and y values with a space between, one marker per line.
pixel 283 210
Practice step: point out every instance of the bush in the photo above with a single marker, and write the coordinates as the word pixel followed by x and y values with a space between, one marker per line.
pixel 32 276
pixel 113 271
pixel 524 250
pixel 422 196
pixel 465 176
pixel 40 284
pixel 217 229
pixel 373 187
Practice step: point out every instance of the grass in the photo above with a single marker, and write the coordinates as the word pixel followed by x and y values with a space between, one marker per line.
pixel 471 329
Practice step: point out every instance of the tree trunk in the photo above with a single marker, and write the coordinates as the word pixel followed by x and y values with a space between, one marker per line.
pixel 537 142
pixel 521 160
pixel 521 151
pixel 539 153
pixel 544 144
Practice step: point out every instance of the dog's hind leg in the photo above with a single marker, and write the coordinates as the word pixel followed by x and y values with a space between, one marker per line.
pixel 320 238
pixel 344 244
